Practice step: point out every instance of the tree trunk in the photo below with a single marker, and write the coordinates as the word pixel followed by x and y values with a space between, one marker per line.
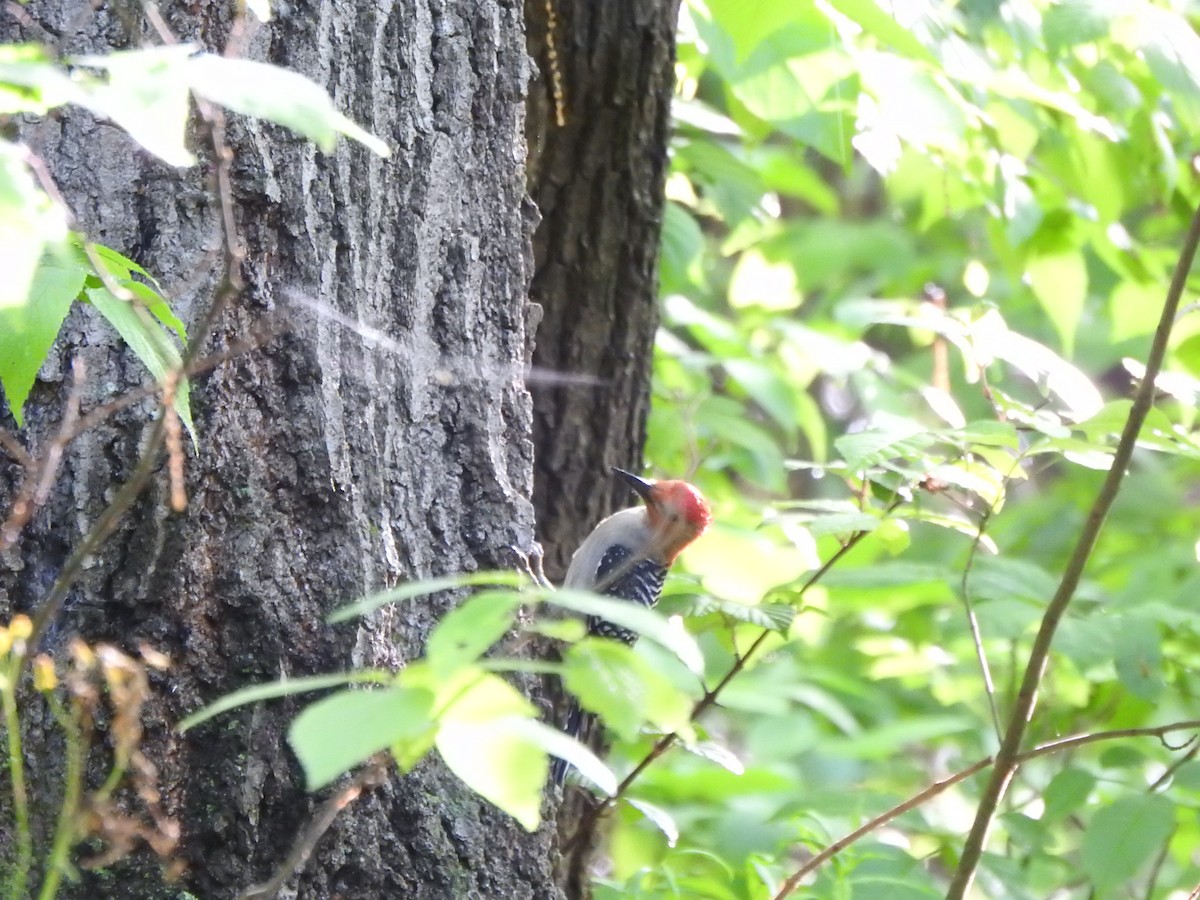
pixel 597 177
pixel 597 180
pixel 330 466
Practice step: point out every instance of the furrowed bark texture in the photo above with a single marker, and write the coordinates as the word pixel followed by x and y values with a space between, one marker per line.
pixel 597 180
pixel 329 466
pixel 598 183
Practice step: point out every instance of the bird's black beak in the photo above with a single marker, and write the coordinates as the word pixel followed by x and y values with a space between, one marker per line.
pixel 640 485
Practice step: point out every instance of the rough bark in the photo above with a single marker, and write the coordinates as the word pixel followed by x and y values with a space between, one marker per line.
pixel 598 182
pixel 597 179
pixel 329 466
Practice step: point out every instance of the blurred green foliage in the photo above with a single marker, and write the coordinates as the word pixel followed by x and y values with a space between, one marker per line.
pixel 912 256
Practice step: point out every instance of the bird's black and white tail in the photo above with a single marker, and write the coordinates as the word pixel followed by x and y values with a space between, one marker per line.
pixel 579 725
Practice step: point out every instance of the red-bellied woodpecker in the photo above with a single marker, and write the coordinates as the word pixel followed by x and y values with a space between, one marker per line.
pixel 627 557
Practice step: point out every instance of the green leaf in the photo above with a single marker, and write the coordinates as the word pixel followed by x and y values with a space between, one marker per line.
pixel 842 523
pixel 745 566
pixel 1139 658
pixel 1010 578
pixel 682 245
pixel 1070 22
pixel 776 616
pixel 891 574
pixel 146 93
pixel 338 732
pixel 285 688
pixel 1171 48
pixel 118 265
pixel 157 306
pixel 484 739
pixel 30 82
pixel 28 222
pixel 899 439
pixel 767 388
pixel 613 681
pixel 28 331
pixel 757 281
pixel 1123 836
pixel 883 25
pixel 1067 792
pixel 149 343
pixel 882 742
pixel 414 589
pixel 659 817
pixel 634 617
pixel 278 95
pixel 464 634
pixel 911 104
pixel 1060 281
pixel 555 743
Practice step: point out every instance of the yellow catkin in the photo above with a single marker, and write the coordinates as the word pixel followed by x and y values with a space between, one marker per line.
pixel 44 677
pixel 556 80
pixel 21 627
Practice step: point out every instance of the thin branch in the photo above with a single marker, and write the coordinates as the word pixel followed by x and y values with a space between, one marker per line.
pixel 14 449
pixel 39 475
pixel 878 822
pixel 372 777
pixel 1175 766
pixel 973 620
pixel 939 787
pixel 1039 654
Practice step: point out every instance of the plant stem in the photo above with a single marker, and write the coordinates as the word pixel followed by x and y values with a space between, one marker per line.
pixel 16 768
pixel 64 829
pixel 1022 712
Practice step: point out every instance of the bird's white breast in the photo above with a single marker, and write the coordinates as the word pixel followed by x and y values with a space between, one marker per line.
pixel 630 527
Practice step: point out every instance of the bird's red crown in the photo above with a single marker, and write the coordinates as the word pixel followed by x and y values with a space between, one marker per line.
pixel 682 499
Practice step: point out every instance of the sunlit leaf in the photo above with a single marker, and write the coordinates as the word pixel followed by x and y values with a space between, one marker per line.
pixel 660 818
pixel 339 732
pixel 490 714
pixel 278 95
pixel 464 634
pixel 1060 281
pixel 146 93
pixel 286 688
pixel 422 588
pixel 634 617
pixel 612 680
pixel 28 222
pixel 1123 836
pixel 27 331
pixel 149 343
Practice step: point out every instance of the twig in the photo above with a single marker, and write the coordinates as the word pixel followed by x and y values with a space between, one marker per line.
pixel 372 777
pixel 14 449
pixel 973 620
pixel 878 822
pixel 39 476
pixel 78 425
pixel 1175 766
pixel 1022 712
pixel 174 439
pixel 939 787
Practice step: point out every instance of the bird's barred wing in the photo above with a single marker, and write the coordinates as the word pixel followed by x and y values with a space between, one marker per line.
pixel 624 577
